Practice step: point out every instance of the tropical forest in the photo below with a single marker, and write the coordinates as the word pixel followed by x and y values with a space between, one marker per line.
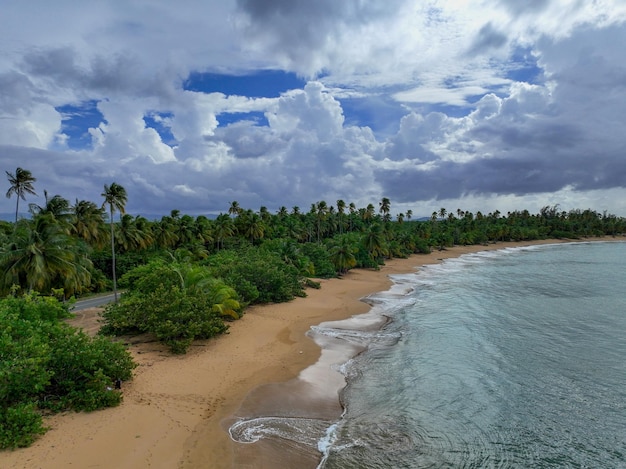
pixel 183 278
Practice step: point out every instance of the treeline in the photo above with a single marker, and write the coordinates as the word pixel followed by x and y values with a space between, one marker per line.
pixel 185 277
pixel 73 246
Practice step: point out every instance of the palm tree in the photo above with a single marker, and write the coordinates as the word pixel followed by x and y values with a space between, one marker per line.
pixel 409 214
pixel 42 256
pixel 21 184
pixel 341 207
pixel 352 209
pixel 368 212
pixel 234 208
pixel 88 222
pixel 56 206
pixel 342 255
pixel 265 214
pixel 163 233
pixel 256 228
pixel 321 211
pixel 224 228
pixel 133 234
pixel 115 197
pixel 374 241
pixel 385 206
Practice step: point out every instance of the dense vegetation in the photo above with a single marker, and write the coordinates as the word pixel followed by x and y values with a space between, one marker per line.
pixel 186 276
pixel 46 364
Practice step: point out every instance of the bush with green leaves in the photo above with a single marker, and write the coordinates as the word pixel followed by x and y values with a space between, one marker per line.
pixel 20 425
pixel 32 306
pixel 258 275
pixel 45 363
pixel 320 256
pixel 177 302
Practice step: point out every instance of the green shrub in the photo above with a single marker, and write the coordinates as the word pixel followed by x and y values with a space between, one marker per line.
pixel 319 255
pixel 32 306
pixel 257 275
pixel 45 363
pixel 20 425
pixel 176 302
pixel 84 370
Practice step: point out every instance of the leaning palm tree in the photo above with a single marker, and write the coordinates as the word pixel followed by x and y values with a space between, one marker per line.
pixel 115 197
pixel 21 184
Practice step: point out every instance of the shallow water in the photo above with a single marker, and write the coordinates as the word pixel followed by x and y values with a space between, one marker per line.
pixel 512 358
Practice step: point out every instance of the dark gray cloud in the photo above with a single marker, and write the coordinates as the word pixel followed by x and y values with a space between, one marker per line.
pixel 300 30
pixel 16 90
pixel 540 139
pixel 487 39
pixel 119 73
pixel 517 7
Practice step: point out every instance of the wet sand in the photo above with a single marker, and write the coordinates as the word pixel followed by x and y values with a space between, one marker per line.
pixel 177 409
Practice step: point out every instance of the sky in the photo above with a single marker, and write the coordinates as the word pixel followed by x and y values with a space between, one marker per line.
pixel 478 105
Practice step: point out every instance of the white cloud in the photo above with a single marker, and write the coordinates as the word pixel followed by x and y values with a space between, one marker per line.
pixel 477 126
pixel 184 189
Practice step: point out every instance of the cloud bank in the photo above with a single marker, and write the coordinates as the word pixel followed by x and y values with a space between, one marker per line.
pixel 479 105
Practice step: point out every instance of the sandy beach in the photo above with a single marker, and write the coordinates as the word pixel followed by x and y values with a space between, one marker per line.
pixel 177 409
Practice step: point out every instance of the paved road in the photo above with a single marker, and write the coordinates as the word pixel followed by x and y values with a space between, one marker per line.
pixel 93 302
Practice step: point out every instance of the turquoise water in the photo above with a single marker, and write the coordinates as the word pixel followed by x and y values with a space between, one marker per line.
pixel 501 359
pixel 514 358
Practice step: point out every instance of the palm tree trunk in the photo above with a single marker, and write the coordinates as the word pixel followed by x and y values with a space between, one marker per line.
pixel 113 259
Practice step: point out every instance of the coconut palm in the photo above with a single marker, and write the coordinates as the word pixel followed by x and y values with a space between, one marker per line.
pixel 341 207
pixel 352 208
pixel 21 184
pixel 132 234
pixel 115 197
pixel 321 212
pixel 255 228
pixel 42 256
pixel 88 222
pixel 384 206
pixel 163 233
pixel 203 229
pixel 56 206
pixel 368 212
pixel 374 241
pixel 224 228
pixel 342 255
pixel 234 208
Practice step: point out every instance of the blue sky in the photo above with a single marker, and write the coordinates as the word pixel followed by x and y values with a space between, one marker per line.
pixel 478 105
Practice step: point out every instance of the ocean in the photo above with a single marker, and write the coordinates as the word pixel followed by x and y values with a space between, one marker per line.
pixel 513 358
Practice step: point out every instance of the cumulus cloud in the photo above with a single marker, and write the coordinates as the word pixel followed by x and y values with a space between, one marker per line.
pixel 470 122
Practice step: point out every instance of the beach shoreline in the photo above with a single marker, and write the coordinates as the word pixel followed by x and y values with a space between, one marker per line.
pixel 177 409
